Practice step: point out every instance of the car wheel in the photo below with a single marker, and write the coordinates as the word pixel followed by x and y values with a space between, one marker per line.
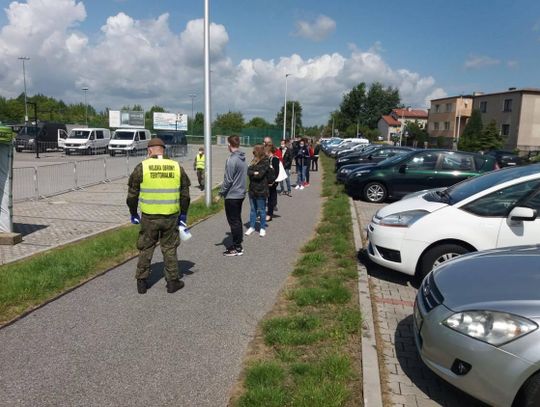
pixel 111 153
pixel 68 152
pixel 438 255
pixel 375 192
pixel 18 150
pixel 529 394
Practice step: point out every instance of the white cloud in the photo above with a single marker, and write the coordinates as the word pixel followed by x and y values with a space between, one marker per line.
pixel 316 30
pixel 144 62
pixel 480 61
pixel 512 64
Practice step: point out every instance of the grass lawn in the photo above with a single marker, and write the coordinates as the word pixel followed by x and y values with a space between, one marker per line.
pixel 307 350
pixel 29 283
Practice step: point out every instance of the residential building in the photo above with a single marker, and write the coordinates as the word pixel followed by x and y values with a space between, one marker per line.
pixel 516 113
pixel 447 118
pixel 393 125
pixel 388 128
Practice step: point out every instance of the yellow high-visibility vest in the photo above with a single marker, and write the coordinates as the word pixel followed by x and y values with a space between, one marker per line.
pixel 199 162
pixel 160 188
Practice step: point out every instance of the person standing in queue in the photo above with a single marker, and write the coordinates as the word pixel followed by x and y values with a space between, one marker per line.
pixel 199 167
pixel 161 187
pixel 233 189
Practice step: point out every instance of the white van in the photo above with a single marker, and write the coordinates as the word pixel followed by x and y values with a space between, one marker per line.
pixel 129 140
pixel 87 141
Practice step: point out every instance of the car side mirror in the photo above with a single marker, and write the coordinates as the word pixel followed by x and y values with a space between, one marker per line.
pixel 403 168
pixel 520 213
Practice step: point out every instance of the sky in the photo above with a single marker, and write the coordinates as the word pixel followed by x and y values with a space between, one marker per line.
pixel 150 53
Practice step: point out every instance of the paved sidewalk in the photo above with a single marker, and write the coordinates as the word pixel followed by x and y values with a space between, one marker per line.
pixel 54 221
pixel 105 345
pixel 409 382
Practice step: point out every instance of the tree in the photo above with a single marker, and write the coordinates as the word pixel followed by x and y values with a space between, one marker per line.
pixel 258 122
pixel 379 101
pixel 352 106
pixel 490 138
pixel 231 121
pixel 471 132
pixel 416 135
pixel 297 115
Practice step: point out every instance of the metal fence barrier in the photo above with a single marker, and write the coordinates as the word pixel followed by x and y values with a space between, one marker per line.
pixel 31 183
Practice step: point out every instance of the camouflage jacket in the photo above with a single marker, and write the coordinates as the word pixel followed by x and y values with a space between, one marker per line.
pixel 134 187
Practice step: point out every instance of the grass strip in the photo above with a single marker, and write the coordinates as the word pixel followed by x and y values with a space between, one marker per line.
pixel 307 351
pixel 30 282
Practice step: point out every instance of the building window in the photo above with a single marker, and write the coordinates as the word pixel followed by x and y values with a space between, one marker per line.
pixel 507 105
pixel 505 129
pixel 436 126
pixel 483 107
pixel 447 125
pixel 437 108
pixel 449 107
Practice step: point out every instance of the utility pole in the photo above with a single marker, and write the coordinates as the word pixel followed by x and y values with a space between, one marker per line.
pixel 85 89
pixel 192 96
pixel 23 59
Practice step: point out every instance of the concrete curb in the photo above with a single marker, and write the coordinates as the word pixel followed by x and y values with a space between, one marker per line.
pixel 371 382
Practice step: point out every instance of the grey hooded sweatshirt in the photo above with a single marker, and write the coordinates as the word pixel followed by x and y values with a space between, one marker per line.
pixel 234 180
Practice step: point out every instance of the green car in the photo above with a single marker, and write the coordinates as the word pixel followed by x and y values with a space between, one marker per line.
pixel 400 175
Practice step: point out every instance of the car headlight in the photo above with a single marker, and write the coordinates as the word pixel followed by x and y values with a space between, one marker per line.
pixel 342 160
pixel 345 171
pixel 495 328
pixel 402 219
pixel 361 173
pixel 31 141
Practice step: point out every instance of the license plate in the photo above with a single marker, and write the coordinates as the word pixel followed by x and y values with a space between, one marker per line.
pixel 72 149
pixel 417 317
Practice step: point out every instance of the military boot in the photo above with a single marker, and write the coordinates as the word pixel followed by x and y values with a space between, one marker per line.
pixel 174 285
pixel 141 286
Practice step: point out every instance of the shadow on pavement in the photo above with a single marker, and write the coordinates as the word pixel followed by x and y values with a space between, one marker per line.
pixel 27 228
pixel 157 271
pixel 422 377
pixel 386 274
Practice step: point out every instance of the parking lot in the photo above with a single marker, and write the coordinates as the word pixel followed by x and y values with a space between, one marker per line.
pixel 406 380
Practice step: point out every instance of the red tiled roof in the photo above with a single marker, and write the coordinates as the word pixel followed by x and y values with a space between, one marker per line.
pixel 413 113
pixel 391 121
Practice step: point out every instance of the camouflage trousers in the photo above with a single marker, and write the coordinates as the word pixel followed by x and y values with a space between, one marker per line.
pixel 154 229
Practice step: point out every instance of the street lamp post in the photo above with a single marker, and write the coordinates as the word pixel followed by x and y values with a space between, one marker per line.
pixel 293 124
pixel 85 89
pixel 23 59
pixel 285 107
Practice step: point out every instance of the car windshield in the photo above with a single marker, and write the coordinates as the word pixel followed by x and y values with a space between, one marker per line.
pixel 124 135
pixel 29 130
pixel 396 158
pixel 471 186
pixel 167 138
pixel 79 134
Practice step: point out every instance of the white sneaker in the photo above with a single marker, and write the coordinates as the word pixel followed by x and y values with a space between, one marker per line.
pixel 297 187
pixel 262 233
pixel 301 187
pixel 250 231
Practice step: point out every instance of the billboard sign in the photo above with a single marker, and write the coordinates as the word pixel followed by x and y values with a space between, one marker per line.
pixel 170 121
pixel 126 118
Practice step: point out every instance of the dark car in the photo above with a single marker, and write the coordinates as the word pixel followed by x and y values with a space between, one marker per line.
pixel 420 169
pixel 43 134
pixel 371 156
pixel 505 158
pixel 175 142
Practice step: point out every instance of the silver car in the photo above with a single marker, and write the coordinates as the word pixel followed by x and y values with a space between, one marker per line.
pixel 476 322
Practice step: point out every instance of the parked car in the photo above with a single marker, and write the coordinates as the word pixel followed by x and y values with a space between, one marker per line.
pixel 175 142
pixel 505 158
pixel 129 141
pixel 87 141
pixel 415 171
pixel 357 148
pixel 43 134
pixel 494 210
pixel 476 324
pixel 373 156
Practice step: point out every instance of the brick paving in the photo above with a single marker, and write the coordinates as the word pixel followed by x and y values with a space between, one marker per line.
pixel 60 219
pixel 408 381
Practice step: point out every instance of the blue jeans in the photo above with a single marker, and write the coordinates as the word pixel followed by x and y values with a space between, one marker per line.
pixel 287 180
pixel 301 178
pixel 258 207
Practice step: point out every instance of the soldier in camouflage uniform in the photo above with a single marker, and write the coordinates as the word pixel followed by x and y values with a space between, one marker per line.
pixel 162 187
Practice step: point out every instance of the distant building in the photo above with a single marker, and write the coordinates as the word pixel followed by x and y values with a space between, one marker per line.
pixel 393 125
pixel 447 118
pixel 517 115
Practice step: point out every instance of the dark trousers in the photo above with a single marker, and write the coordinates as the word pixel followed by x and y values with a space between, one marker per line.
pixel 308 164
pixel 200 177
pixel 315 163
pixel 272 200
pixel 233 211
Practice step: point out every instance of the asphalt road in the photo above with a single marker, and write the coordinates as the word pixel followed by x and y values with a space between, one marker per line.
pixel 105 345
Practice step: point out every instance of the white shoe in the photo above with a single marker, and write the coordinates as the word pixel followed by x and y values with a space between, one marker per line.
pixel 297 187
pixel 250 231
pixel 301 187
pixel 262 233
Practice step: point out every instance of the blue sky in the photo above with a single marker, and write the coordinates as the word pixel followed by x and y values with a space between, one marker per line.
pixel 426 49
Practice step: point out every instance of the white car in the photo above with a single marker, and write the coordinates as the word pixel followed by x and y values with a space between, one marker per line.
pixel 497 209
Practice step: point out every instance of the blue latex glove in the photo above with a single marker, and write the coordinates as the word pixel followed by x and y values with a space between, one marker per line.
pixel 135 219
pixel 182 219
